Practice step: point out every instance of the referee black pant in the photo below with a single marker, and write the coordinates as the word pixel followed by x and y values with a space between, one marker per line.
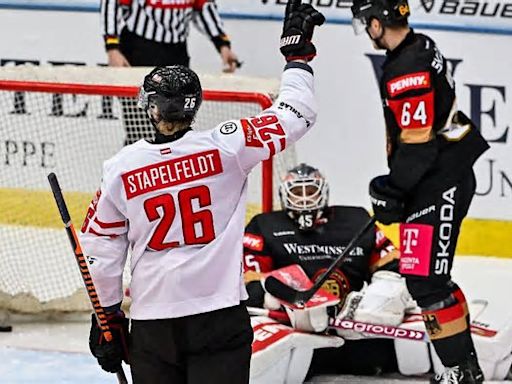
pixel 212 347
pixel 142 52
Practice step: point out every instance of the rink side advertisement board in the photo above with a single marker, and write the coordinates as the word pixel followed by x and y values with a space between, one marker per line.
pixel 474 15
pixel 348 142
pixel 493 16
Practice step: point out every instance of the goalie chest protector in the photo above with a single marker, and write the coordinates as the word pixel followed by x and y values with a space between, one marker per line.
pixel 316 249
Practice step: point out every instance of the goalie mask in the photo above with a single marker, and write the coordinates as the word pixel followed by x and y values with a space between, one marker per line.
pixel 388 12
pixel 171 94
pixel 304 195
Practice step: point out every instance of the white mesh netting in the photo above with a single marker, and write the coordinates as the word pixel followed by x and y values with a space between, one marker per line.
pixel 71 131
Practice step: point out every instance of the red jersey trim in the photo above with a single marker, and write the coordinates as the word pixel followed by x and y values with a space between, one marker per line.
pixel 116 224
pixel 93 232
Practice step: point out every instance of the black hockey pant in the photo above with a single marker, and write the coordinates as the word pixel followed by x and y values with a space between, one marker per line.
pixel 428 240
pixel 212 347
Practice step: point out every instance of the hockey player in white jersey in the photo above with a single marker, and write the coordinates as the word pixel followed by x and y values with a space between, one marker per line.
pixel 179 204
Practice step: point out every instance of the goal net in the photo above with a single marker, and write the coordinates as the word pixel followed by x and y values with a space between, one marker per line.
pixel 69 120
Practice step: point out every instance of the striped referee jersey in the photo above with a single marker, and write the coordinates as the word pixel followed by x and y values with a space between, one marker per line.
pixel 162 21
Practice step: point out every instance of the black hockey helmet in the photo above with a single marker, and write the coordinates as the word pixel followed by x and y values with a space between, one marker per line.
pixel 171 93
pixel 388 12
pixel 304 195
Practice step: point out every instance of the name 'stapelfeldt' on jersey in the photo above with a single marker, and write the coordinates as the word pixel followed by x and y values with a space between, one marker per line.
pixel 172 172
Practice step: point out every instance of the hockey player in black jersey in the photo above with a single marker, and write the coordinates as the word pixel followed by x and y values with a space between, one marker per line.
pixel 311 233
pixel 431 150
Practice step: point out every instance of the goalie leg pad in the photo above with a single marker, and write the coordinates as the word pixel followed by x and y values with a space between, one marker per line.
pixel 492 335
pixel 413 357
pixel 280 354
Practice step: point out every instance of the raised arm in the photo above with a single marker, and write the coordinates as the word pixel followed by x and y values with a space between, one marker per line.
pixel 294 112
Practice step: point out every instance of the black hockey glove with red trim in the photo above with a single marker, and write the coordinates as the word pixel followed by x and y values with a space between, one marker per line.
pixel 387 201
pixel 299 23
pixel 110 353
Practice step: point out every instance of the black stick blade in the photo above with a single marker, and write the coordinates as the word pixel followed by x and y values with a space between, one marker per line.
pixel 282 291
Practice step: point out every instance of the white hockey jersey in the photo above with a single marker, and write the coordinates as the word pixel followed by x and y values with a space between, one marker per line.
pixel 180 206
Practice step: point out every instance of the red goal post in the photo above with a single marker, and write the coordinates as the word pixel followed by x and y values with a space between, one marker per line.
pixel 68 120
pixel 264 100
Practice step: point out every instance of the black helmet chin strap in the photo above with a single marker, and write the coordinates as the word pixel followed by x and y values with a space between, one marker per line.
pixel 162 138
pixel 154 122
pixel 378 39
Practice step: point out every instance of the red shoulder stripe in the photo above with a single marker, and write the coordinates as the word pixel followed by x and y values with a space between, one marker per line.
pixel 115 224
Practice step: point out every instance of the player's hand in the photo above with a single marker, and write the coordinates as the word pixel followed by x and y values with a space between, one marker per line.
pixel 387 201
pixel 250 276
pixel 300 21
pixel 110 353
pixel 229 60
pixel 117 59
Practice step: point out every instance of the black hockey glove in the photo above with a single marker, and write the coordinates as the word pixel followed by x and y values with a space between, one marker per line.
pixel 387 201
pixel 110 353
pixel 299 22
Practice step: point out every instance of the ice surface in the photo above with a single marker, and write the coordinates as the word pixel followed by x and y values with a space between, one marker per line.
pixel 54 352
pixel 19 366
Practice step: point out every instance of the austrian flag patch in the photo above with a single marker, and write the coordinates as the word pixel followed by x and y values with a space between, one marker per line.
pixel 408 82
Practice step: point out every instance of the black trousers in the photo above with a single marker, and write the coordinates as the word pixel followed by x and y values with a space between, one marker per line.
pixel 429 237
pixel 212 347
pixel 142 52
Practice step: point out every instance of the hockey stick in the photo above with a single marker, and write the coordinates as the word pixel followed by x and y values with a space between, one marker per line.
pixel 82 265
pixel 299 298
pixel 378 330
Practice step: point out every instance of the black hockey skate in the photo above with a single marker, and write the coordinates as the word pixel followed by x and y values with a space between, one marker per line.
pixel 468 373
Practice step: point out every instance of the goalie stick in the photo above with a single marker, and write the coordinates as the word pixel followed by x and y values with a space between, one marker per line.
pixel 299 298
pixel 83 266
